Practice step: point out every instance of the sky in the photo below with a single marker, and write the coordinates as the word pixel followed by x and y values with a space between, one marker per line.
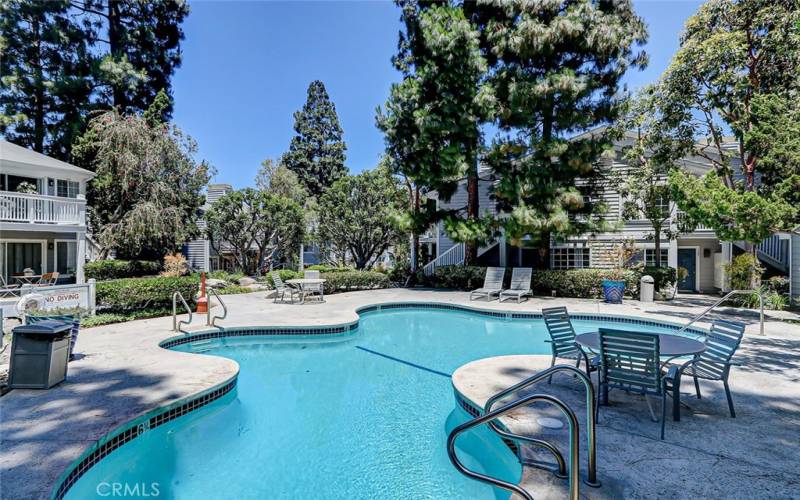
pixel 247 65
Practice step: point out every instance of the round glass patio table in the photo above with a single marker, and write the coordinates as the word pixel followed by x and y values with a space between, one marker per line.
pixel 671 346
pixel 303 282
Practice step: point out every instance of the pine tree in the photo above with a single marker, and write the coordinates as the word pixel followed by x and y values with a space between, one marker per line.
pixel 45 76
pixel 556 71
pixel 137 47
pixel 317 153
pixel 433 118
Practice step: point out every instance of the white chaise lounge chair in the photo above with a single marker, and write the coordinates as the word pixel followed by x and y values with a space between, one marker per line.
pixel 492 284
pixel 520 284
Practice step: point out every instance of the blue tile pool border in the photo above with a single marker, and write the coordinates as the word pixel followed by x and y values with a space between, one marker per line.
pixel 130 431
pixel 137 427
pixel 288 331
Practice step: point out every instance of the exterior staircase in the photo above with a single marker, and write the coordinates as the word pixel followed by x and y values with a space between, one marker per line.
pixel 453 256
pixel 773 251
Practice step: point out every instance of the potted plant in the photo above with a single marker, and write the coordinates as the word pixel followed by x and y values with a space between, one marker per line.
pixel 614 287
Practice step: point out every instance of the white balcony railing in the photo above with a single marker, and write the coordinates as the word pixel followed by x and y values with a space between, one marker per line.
pixel 41 209
pixel 680 216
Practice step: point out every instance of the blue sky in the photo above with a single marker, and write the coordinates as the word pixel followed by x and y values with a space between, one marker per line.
pixel 247 65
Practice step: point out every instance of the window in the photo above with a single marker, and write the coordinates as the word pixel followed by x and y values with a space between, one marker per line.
pixel 66 189
pixel 663 203
pixel 650 256
pixel 570 258
pixel 66 257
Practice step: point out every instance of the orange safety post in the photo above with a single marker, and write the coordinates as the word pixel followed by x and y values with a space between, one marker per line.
pixel 202 301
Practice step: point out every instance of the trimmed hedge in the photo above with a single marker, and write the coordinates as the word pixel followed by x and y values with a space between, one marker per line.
pixel 116 269
pixel 132 294
pixel 580 283
pixel 355 280
pixel 329 269
pixel 455 277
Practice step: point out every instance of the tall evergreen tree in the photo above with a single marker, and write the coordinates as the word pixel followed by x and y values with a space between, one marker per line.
pixel 556 71
pixel 433 118
pixel 317 153
pixel 138 49
pixel 44 69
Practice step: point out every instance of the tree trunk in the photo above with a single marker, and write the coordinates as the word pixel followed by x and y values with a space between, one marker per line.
pixel 657 256
pixel 544 242
pixel 114 27
pixel 38 119
pixel 414 234
pixel 473 206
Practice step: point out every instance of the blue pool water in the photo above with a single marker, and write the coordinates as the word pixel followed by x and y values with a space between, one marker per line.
pixel 357 416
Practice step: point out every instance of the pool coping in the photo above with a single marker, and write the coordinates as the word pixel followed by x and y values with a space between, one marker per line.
pixel 137 426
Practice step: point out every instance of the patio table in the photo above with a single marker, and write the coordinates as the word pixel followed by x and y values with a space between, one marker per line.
pixel 671 347
pixel 303 282
pixel 30 279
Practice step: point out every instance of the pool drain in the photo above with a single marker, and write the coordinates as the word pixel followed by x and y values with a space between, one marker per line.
pixel 550 423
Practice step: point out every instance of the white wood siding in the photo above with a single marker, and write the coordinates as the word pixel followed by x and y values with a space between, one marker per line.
pixel 459 201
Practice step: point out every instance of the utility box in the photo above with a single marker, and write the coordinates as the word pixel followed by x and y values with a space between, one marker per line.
pixel 646 288
pixel 39 355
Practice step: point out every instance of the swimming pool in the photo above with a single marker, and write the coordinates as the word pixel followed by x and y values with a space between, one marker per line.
pixel 361 414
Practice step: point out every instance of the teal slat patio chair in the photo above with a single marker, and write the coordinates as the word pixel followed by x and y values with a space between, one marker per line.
pixel 715 362
pixel 631 361
pixel 281 288
pixel 562 340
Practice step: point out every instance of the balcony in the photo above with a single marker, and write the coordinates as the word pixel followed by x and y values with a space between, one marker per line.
pixel 681 216
pixel 41 209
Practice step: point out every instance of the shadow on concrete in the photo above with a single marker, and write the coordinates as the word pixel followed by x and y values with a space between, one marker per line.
pixel 31 429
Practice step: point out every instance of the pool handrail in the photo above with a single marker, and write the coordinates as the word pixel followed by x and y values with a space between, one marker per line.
pixel 574 483
pixel 591 431
pixel 177 325
pixel 723 299
pixel 210 320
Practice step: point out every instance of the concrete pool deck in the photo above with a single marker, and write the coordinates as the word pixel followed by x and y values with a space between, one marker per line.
pixel 123 374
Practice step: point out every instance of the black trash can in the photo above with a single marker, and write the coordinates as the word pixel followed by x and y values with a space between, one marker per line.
pixel 39 355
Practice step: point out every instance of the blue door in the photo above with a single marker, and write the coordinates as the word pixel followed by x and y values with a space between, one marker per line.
pixel 687 259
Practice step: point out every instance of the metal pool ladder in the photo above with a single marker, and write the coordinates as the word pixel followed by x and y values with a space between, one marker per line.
pixel 490 416
pixel 177 326
pixel 211 319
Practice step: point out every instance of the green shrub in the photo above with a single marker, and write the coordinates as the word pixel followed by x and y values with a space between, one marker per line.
pixel 779 285
pixel 226 276
pixel 109 318
pixel 399 273
pixel 234 290
pixel 664 277
pixel 355 280
pixel 454 277
pixel 329 269
pixel 744 272
pixel 132 294
pixel 582 283
pixel 116 269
